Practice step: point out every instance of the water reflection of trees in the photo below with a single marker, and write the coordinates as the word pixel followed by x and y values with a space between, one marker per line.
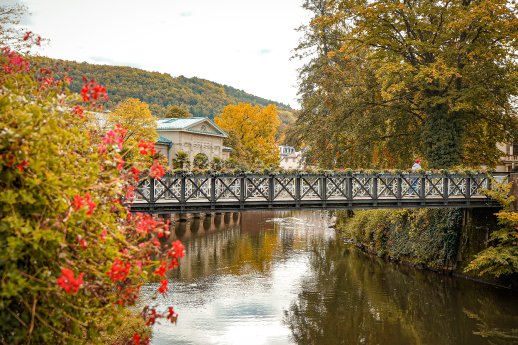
pixel 352 299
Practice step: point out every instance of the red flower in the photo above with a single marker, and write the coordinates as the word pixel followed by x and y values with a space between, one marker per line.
pixel 147 147
pixel 136 173
pixel 22 165
pixel 68 282
pixel 78 202
pixel 79 110
pixel 136 339
pixel 119 270
pixel 161 270
pixel 176 251
pixel 27 35
pixel 156 170
pixel 92 92
pixel 163 286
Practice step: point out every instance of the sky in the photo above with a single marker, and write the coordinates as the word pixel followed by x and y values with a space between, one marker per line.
pixel 246 44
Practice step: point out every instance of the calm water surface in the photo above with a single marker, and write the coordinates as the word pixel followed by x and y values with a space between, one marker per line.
pixel 283 278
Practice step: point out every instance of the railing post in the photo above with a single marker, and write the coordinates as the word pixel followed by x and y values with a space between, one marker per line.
pixel 242 188
pixel 151 190
pixel 422 189
pixel 271 190
pixel 323 189
pixel 349 186
pixel 375 187
pixel 182 190
pixel 468 187
pixel 399 187
pixel 212 189
pixel 446 192
pixel 297 190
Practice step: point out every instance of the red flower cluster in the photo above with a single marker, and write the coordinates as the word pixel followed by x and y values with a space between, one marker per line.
pixel 79 110
pixel 92 92
pixel 161 270
pixel 156 170
pixel 15 64
pixel 163 286
pixel 114 137
pixel 136 173
pixel 147 147
pixel 119 270
pixel 146 223
pixel 176 251
pixel 79 202
pixel 137 338
pixel 28 35
pixel 68 282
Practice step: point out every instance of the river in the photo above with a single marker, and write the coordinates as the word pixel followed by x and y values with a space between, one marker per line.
pixel 285 278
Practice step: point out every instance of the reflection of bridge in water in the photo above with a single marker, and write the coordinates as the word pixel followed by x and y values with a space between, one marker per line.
pixel 236 243
pixel 182 193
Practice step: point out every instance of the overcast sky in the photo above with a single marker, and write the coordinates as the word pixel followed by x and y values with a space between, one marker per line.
pixel 246 44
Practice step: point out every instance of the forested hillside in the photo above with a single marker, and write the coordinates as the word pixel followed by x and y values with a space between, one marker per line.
pixel 160 90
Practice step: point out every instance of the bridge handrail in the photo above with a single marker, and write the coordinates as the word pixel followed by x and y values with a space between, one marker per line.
pixel 183 189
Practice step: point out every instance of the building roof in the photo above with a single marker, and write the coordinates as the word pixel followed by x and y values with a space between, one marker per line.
pixel 226 148
pixel 166 141
pixel 175 124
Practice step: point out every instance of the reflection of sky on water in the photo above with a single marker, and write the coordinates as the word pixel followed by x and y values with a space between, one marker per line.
pixel 247 308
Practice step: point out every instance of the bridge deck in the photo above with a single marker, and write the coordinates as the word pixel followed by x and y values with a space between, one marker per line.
pixel 209 193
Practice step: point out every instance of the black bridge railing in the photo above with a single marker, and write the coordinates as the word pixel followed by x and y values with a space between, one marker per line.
pixel 183 193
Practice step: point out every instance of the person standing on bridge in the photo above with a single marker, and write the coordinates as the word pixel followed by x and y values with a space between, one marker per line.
pixel 413 182
pixel 417 165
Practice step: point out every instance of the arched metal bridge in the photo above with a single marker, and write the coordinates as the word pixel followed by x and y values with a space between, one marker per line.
pixel 185 193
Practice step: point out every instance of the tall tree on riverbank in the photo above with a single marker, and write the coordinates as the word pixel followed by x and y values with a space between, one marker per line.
pixel 251 131
pixel 408 78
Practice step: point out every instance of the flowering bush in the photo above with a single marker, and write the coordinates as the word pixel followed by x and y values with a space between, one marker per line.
pixel 72 255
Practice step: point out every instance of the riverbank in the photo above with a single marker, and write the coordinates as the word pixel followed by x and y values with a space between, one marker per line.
pixel 441 240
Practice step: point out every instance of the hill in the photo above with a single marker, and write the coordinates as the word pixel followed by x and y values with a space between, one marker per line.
pixel 160 90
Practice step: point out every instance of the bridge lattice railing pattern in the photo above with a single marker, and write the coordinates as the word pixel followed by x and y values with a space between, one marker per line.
pixel 186 189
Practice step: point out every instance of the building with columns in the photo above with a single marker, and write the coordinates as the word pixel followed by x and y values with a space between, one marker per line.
pixel 191 135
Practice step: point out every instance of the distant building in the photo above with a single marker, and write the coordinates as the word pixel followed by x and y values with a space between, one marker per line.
pixel 191 135
pixel 509 159
pixel 289 158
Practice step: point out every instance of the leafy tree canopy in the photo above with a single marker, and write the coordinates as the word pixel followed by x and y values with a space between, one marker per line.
pixel 391 80
pixel 252 131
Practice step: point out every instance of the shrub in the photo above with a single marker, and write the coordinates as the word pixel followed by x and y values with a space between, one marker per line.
pixel 201 161
pixel 73 257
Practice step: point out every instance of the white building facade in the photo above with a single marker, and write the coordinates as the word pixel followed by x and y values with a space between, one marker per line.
pixel 191 135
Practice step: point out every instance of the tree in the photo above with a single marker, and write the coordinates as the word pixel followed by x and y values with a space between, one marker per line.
pixel 201 161
pixel 181 161
pixel 135 116
pixel 421 76
pixel 175 111
pixel 500 258
pixel 251 132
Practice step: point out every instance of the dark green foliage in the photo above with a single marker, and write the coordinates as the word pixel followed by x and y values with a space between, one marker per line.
pixel 442 137
pixel 426 237
pixel 181 161
pixel 200 161
pixel 160 90
pixel 217 164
